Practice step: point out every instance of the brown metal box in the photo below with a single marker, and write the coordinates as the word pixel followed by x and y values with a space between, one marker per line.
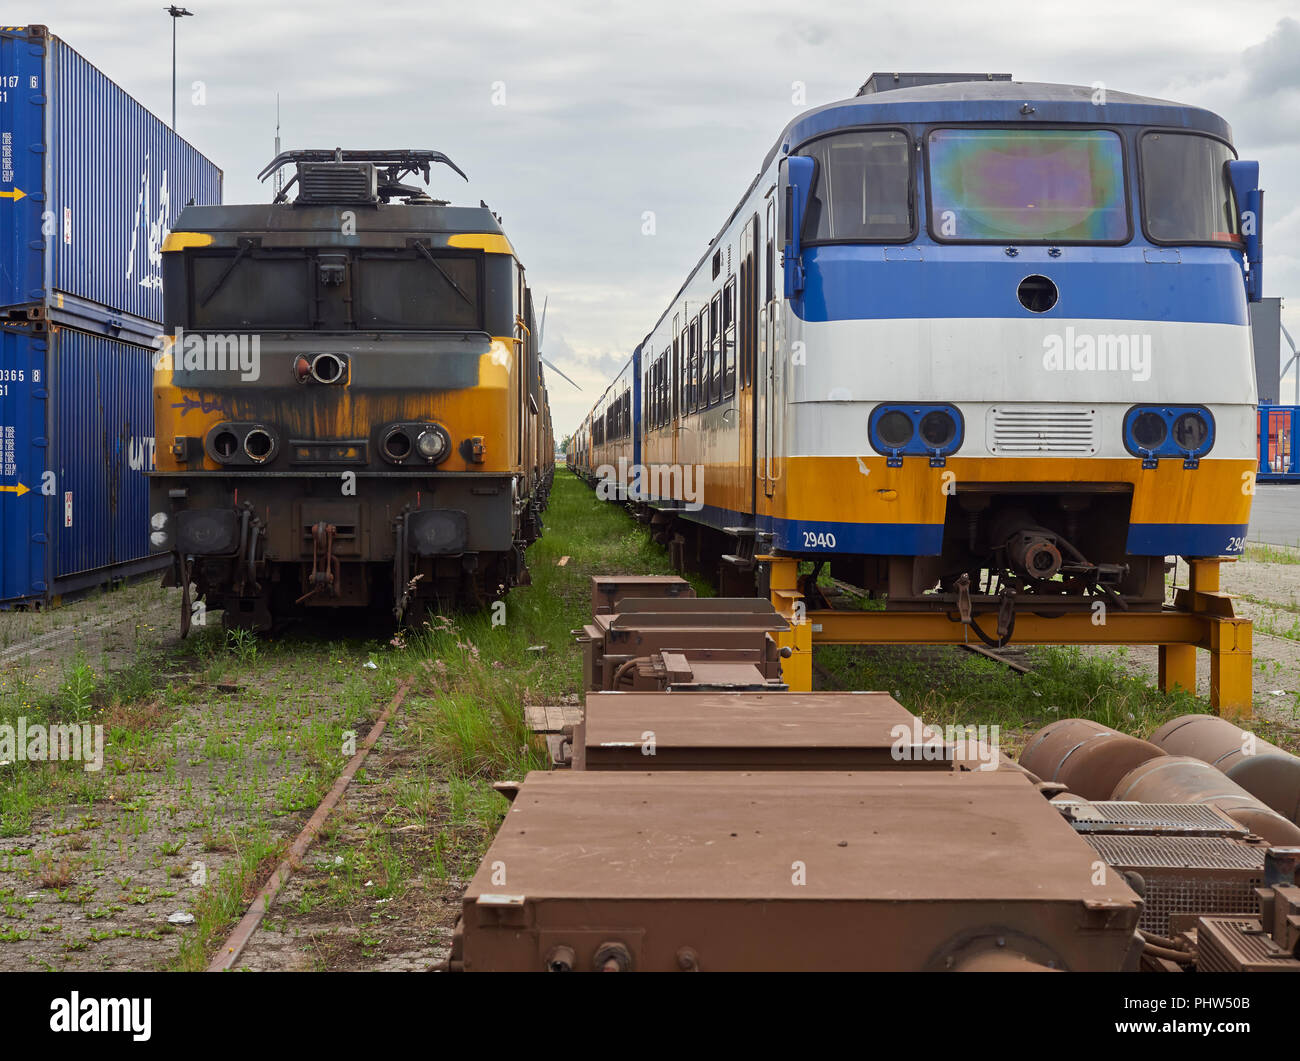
pixel 752 731
pixel 608 590
pixel 880 870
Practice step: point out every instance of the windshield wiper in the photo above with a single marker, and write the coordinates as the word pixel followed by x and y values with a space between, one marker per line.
pixel 428 256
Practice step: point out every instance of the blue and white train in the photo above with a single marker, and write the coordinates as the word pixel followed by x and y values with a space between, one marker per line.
pixel 960 325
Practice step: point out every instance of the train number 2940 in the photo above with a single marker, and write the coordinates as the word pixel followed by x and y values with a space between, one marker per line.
pixel 1236 545
pixel 818 540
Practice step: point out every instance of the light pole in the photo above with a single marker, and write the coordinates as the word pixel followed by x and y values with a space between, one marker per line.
pixel 176 14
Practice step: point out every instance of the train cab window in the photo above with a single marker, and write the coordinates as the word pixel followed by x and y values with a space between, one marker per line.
pixel 862 188
pixel 729 338
pixel 435 293
pixel 1027 186
pixel 715 351
pixel 1186 197
pixel 235 291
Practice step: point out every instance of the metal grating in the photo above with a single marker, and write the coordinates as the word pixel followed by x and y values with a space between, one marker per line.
pixel 1237 944
pixel 336 182
pixel 1187 874
pixel 1120 816
pixel 1047 429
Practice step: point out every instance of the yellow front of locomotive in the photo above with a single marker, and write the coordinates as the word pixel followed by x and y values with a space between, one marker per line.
pixel 340 394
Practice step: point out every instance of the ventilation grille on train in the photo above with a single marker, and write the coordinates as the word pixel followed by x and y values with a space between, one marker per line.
pixel 1238 944
pixel 1116 816
pixel 337 182
pixel 1187 874
pixel 1048 429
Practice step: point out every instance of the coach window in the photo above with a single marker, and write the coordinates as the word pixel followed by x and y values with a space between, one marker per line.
pixel 770 256
pixel 715 351
pixel 694 377
pixel 665 363
pixel 862 189
pixel 676 369
pixel 729 338
pixel 1186 197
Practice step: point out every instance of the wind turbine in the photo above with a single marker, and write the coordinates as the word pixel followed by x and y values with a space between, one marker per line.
pixel 541 334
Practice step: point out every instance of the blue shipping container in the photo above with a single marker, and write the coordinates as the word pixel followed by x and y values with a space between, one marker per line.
pixel 91 183
pixel 76 426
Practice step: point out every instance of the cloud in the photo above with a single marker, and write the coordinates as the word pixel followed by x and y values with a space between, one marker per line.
pixel 610 112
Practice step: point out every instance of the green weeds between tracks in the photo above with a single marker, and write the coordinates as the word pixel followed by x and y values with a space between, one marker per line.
pixel 947 686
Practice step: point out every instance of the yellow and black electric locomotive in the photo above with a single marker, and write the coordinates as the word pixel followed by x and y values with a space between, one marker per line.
pixel 348 399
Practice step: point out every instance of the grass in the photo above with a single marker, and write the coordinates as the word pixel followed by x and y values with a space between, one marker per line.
pixel 951 687
pixel 1273 554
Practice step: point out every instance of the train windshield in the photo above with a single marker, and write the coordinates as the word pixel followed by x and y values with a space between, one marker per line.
pixel 1185 191
pixel 863 187
pixel 1018 185
pixel 370 289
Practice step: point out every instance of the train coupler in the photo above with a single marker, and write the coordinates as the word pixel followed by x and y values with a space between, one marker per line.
pixel 325 571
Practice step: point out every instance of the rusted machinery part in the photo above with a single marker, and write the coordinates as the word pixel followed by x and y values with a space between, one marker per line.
pixel 1001 961
pixel 1261 768
pixel 1211 739
pixel 1085 756
pixel 1273 778
pixel 1170 954
pixel 1183 779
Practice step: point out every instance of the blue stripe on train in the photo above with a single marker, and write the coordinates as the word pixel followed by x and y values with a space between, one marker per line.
pixel 1101 283
pixel 926 539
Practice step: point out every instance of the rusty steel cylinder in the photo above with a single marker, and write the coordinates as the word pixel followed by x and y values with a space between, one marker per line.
pixel 1264 770
pixel 1183 779
pixel 1085 756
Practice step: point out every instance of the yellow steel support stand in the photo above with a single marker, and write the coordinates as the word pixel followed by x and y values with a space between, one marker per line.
pixel 1228 638
pixel 788 601
pixel 1202 617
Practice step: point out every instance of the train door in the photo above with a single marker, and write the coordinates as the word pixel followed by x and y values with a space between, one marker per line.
pixel 769 409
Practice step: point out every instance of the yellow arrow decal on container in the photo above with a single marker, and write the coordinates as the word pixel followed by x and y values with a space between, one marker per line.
pixel 17 488
pixel 15 195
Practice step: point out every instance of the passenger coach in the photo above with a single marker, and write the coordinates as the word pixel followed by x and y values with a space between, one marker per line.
pixel 965 326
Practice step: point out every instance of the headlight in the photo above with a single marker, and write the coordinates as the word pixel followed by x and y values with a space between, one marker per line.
pixel 1190 431
pixel 938 429
pixel 241 444
pixel 931 430
pixel 1155 431
pixel 431 445
pixel 1149 429
pixel 402 443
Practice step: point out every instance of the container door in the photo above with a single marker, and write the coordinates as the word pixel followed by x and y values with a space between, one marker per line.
pixel 24 536
pixel 104 446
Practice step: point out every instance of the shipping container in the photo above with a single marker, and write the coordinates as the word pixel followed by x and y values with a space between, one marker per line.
pixel 90 183
pixel 76 438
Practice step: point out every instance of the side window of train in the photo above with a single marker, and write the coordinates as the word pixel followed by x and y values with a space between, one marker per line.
pixel 770 256
pixel 677 368
pixel 693 368
pixel 715 350
pixel 729 339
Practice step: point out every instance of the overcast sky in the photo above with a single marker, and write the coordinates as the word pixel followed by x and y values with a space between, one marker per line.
pixel 614 109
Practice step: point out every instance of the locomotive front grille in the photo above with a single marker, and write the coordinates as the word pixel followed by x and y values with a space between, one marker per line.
pixel 1043 429
pixel 1187 874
